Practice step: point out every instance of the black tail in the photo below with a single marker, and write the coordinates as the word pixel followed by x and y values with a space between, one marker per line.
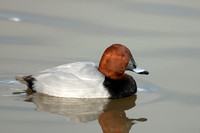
pixel 28 80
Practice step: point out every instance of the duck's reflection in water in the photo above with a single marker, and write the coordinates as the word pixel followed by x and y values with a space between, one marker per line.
pixel 109 112
pixel 114 119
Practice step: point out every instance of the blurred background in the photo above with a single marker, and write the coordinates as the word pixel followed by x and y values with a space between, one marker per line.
pixel 163 36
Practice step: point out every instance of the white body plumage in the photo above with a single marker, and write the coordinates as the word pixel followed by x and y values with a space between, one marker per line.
pixel 74 80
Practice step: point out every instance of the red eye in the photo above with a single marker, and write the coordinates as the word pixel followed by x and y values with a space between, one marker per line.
pixel 119 54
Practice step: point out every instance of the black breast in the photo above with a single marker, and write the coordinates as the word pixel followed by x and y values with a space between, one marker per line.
pixel 120 88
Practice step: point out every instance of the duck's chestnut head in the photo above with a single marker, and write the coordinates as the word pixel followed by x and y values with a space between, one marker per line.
pixel 115 60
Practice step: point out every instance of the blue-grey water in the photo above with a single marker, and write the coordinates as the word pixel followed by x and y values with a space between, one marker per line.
pixel 163 36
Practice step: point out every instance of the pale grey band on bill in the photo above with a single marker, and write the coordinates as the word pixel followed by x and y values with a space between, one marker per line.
pixel 139 70
pixel 133 67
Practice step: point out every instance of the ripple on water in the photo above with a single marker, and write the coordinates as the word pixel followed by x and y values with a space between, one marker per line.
pixel 8 81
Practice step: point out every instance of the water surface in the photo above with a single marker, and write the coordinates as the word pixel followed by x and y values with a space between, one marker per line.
pixel 162 35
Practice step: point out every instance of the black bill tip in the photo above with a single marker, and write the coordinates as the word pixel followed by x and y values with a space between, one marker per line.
pixel 144 72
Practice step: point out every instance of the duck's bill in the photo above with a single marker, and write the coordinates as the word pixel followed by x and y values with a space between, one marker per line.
pixel 139 70
pixel 133 67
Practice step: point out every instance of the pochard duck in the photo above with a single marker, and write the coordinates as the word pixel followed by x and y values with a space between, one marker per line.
pixel 88 79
